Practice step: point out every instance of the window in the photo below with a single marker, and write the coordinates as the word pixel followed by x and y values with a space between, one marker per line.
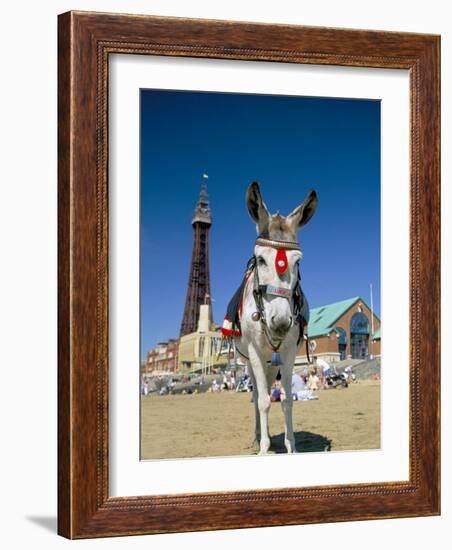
pixel 341 342
pixel 359 324
pixel 359 336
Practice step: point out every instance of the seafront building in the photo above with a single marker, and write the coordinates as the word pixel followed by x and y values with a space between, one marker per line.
pixel 200 351
pixel 197 352
pixel 162 360
pixel 343 330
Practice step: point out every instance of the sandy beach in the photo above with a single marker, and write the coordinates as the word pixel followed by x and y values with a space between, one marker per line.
pixel 222 424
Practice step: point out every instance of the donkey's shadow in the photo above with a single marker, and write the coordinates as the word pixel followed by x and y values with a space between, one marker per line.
pixel 305 442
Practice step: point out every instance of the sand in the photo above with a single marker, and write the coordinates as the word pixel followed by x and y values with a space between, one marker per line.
pixel 222 424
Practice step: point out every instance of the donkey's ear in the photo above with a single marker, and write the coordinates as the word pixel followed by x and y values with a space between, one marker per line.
pixel 256 206
pixel 304 212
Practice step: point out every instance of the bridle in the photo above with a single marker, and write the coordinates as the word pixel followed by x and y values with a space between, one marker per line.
pixel 296 295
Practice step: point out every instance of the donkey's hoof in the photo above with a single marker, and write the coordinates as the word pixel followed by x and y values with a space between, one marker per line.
pixel 290 446
pixel 264 447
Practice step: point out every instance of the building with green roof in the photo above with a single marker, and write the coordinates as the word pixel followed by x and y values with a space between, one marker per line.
pixel 343 330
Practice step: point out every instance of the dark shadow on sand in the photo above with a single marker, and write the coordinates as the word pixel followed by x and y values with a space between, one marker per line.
pixel 305 442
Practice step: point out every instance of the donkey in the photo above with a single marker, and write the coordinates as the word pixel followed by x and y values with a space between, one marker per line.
pixel 273 312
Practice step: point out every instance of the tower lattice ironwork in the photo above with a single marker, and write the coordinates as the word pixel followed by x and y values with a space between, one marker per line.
pixel 198 291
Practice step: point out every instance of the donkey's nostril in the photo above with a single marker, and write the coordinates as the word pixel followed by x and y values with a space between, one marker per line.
pixel 281 324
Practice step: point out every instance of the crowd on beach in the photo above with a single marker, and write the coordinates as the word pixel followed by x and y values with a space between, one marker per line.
pixel 313 378
pixel 227 384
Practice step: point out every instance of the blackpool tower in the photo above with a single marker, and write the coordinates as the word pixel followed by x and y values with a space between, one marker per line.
pixel 198 291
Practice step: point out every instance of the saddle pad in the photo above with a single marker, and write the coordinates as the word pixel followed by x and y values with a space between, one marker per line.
pixel 231 323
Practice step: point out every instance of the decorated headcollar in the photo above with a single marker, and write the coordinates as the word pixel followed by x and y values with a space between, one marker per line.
pixel 281 262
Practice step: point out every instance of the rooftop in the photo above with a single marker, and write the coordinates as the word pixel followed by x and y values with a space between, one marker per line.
pixel 322 319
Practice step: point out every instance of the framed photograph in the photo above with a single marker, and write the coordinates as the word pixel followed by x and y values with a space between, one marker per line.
pixel 249 294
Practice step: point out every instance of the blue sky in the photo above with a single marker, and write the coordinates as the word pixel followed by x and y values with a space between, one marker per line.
pixel 290 145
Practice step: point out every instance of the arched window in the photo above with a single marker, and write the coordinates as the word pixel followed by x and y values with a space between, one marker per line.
pixel 359 336
pixel 359 324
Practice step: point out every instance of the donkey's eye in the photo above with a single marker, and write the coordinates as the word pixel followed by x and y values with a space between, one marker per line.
pixel 261 261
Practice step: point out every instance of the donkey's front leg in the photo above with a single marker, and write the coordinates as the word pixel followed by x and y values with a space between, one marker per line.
pixel 257 429
pixel 263 402
pixel 263 399
pixel 287 403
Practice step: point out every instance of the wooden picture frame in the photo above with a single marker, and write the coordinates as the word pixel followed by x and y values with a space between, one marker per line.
pixel 85 42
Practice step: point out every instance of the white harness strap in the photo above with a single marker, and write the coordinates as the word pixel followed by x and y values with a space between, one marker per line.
pixel 288 245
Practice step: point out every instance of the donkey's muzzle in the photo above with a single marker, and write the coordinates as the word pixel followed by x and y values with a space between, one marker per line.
pixel 280 325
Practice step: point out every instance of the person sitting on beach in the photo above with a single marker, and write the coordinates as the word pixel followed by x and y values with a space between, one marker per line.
pixel 276 393
pixel 299 391
pixel 225 384
pixel 314 382
pixel 350 374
